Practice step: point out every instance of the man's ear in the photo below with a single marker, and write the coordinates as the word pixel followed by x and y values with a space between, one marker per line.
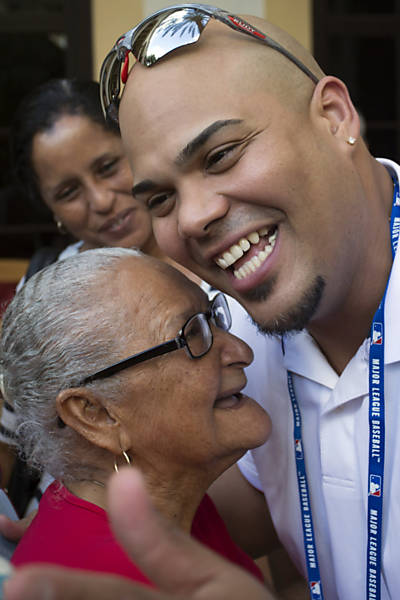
pixel 82 410
pixel 331 101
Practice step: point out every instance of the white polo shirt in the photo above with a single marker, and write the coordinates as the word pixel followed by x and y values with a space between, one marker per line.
pixel 335 439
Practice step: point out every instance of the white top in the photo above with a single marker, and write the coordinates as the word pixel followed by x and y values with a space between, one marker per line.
pixel 335 428
pixel 70 250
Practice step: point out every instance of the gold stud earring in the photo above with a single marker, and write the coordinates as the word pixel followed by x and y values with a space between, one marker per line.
pixel 351 140
pixel 60 226
pixel 127 459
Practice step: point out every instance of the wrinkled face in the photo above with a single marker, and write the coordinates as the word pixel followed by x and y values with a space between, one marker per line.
pixel 85 180
pixel 242 188
pixel 182 413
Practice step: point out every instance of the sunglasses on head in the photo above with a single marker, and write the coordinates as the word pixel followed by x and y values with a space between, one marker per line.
pixel 163 32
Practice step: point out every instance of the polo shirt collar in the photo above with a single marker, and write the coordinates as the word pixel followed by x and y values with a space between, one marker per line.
pixel 392 304
pixel 303 357
pixel 392 320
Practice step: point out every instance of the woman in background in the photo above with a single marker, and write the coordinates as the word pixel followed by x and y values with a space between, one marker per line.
pixel 70 160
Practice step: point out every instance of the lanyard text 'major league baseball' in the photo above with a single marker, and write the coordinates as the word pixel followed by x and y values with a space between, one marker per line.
pixel 376 450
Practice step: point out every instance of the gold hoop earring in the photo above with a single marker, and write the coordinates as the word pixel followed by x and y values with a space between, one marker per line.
pixel 127 459
pixel 351 140
pixel 2 387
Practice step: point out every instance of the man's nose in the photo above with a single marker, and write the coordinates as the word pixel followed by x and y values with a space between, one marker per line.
pixel 198 209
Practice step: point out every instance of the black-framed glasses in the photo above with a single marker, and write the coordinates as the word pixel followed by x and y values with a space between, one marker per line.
pixel 163 32
pixel 195 336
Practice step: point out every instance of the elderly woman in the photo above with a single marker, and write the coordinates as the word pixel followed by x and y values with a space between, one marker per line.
pixel 109 357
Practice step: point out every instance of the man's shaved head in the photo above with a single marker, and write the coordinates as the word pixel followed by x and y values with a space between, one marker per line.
pixel 253 61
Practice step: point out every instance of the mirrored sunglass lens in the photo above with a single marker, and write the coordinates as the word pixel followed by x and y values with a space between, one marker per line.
pixel 221 313
pixel 112 113
pixel 198 335
pixel 166 32
pixel 109 79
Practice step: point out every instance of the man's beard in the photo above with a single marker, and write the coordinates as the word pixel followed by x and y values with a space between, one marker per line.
pixel 296 318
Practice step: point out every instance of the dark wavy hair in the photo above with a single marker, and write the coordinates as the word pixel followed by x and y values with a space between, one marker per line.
pixel 38 112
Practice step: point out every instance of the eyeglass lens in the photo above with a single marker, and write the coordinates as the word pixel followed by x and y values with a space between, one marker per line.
pixel 220 313
pixel 198 335
pixel 197 331
pixel 155 41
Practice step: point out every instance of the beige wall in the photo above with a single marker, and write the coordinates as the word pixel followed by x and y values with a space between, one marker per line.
pixel 250 7
pixel 110 18
pixel 295 16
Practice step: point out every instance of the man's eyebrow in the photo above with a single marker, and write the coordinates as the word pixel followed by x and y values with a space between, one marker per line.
pixel 191 148
pixel 147 185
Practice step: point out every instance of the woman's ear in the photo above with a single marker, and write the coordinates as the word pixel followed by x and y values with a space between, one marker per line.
pixel 82 410
pixel 331 101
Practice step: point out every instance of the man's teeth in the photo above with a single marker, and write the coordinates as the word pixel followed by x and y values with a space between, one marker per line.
pixel 254 237
pixel 252 265
pixel 236 251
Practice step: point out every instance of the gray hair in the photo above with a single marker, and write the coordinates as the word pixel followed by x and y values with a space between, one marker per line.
pixel 58 329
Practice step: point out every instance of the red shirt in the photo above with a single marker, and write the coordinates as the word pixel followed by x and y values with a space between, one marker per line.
pixel 74 533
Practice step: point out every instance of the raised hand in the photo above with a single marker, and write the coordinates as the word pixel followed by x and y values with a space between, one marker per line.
pixel 178 565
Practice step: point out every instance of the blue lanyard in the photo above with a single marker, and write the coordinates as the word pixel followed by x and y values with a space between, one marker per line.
pixel 310 549
pixel 376 449
pixel 377 427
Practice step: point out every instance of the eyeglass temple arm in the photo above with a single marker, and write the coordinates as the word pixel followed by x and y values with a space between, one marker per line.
pixel 174 344
pixel 244 27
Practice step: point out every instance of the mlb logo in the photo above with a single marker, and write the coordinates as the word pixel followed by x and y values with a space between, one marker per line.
pixel 375 485
pixel 315 587
pixel 377 333
pixel 298 448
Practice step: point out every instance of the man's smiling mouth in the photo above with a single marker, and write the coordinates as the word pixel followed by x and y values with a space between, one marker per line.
pixel 265 238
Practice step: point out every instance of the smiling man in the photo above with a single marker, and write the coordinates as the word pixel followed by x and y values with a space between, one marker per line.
pixel 251 162
pixel 235 150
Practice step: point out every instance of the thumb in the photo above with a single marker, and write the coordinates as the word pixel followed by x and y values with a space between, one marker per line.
pixel 14 530
pixel 170 558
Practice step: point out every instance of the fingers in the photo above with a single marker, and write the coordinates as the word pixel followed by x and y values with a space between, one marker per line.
pixel 178 565
pixel 171 559
pixel 48 583
pixel 13 530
